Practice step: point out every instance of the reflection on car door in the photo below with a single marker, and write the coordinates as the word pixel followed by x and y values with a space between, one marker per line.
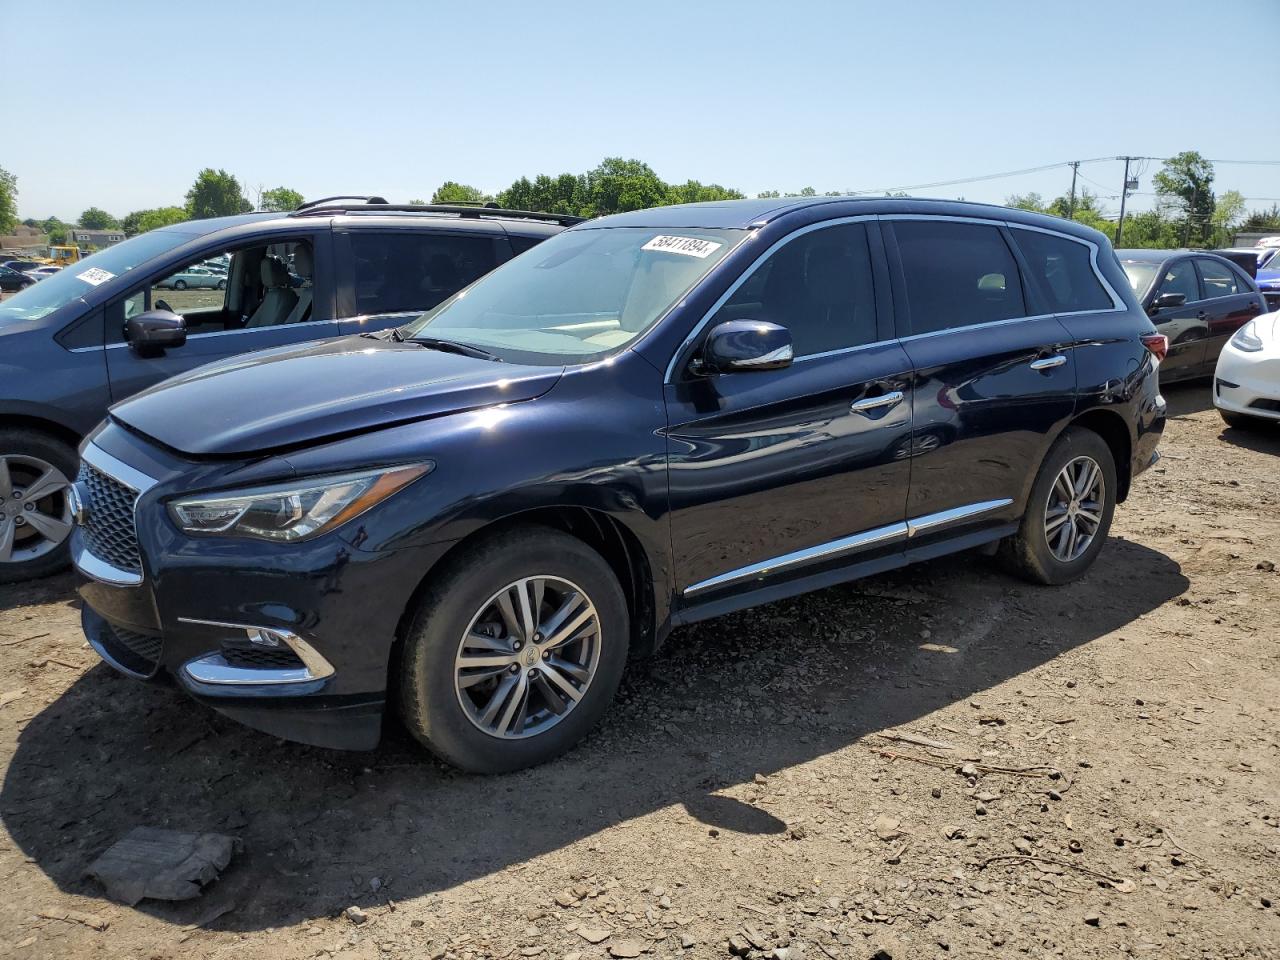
pixel 991 383
pixel 1187 326
pixel 782 473
pixel 1229 303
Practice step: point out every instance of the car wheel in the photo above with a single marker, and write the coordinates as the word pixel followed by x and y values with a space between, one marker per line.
pixel 1069 511
pixel 514 652
pixel 35 511
pixel 179 284
pixel 222 284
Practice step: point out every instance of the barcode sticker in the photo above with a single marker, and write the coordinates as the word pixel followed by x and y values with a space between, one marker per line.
pixel 686 246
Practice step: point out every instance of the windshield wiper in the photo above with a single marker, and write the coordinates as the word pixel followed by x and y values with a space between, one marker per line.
pixel 392 334
pixel 452 346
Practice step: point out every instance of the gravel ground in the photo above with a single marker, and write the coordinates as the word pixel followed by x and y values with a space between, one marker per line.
pixel 940 762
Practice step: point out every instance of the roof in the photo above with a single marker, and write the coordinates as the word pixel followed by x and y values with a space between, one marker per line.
pixel 745 214
pixel 1154 256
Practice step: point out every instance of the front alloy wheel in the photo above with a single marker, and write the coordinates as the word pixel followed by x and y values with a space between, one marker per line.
pixel 35 513
pixel 528 657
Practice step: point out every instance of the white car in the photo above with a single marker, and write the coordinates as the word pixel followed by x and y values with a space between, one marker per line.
pixel 1246 384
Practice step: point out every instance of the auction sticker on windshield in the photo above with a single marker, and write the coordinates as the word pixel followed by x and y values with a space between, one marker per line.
pixel 95 275
pixel 687 246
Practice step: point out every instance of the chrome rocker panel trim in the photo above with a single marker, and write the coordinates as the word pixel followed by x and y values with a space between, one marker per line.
pixel 857 541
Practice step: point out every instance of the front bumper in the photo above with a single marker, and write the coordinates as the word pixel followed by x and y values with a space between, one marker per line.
pixel 291 639
pixel 1248 383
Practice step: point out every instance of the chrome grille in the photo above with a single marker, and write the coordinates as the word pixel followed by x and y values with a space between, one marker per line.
pixel 108 530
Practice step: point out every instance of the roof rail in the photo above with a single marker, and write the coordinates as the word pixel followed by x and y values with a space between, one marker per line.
pixel 342 196
pixel 463 210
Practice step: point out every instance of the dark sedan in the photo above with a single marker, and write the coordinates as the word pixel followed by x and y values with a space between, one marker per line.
pixel 1196 299
pixel 12 280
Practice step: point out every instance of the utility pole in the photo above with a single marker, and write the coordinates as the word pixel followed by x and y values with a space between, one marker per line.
pixel 1124 195
pixel 1071 204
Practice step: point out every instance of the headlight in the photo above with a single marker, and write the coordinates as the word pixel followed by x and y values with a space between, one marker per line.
pixel 1247 338
pixel 291 511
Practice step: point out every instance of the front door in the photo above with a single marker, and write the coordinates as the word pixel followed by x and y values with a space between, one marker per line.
pixel 1186 326
pixel 992 384
pixel 273 294
pixel 780 473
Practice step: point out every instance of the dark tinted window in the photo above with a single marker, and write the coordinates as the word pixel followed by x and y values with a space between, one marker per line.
pixel 520 244
pixel 1063 270
pixel 400 272
pixel 957 274
pixel 818 286
pixel 1219 279
pixel 1180 278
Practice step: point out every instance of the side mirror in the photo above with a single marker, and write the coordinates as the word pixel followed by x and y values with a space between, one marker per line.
pixel 741 345
pixel 1167 300
pixel 153 332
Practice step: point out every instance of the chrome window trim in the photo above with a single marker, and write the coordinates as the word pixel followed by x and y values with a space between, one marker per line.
pixel 746 275
pixel 893 531
pixel 226 333
pixel 1117 304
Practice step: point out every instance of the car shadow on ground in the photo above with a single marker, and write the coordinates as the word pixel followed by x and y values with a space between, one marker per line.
pixel 755 692
pixel 1188 397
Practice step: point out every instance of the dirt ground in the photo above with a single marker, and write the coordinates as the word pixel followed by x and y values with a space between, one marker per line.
pixel 786 782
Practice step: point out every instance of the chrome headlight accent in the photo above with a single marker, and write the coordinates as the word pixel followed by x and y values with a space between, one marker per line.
pixel 1247 339
pixel 289 512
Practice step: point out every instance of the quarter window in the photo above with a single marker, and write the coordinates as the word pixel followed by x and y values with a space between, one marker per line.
pixel 957 274
pixel 403 272
pixel 818 286
pixel 1063 269
pixel 1219 279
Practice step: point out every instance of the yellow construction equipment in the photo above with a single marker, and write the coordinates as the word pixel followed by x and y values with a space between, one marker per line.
pixel 63 255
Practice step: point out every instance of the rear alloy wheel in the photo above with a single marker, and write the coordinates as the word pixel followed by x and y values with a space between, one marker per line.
pixel 1068 513
pixel 35 511
pixel 515 652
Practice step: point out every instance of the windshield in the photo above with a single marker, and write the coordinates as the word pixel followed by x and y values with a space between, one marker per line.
pixel 1140 273
pixel 77 279
pixel 578 296
pixel 1269 261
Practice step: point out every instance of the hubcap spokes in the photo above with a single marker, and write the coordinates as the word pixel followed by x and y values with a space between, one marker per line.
pixel 527 657
pixel 35 515
pixel 1073 514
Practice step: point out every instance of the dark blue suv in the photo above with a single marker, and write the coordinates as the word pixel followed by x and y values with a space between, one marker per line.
pixel 167 301
pixel 647 420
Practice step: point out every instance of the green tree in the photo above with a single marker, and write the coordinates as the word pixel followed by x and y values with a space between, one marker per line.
pixel 1262 219
pixel 1184 185
pixel 95 218
pixel 617 185
pixel 1027 201
pixel 768 195
pixel 691 191
pixel 54 229
pixel 281 199
pixel 1227 213
pixel 8 201
pixel 215 193
pixel 161 217
pixel 453 192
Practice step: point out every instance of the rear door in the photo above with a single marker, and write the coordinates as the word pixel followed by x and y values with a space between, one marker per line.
pixel 1229 303
pixel 994 372
pixel 391 275
pixel 1186 326
pixel 244 314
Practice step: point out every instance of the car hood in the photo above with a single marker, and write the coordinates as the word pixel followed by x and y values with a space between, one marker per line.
pixel 298 395
pixel 1268 277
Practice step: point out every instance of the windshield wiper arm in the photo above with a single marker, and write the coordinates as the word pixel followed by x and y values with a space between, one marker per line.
pixel 393 333
pixel 452 346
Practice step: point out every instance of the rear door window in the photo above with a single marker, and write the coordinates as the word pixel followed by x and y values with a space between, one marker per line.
pixel 403 272
pixel 1063 271
pixel 956 274
pixel 1218 278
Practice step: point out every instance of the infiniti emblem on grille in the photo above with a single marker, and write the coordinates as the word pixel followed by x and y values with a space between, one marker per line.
pixel 78 501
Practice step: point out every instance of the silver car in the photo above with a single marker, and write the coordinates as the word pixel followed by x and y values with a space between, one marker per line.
pixel 195 278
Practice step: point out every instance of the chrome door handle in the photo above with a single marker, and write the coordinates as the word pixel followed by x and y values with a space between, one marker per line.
pixel 874 403
pixel 1048 363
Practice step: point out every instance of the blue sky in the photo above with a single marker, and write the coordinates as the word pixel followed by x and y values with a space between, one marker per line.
pixel 121 104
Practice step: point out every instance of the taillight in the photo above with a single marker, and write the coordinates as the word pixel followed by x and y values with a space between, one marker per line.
pixel 1157 343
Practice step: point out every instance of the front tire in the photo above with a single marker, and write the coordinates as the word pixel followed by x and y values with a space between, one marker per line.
pixel 179 284
pixel 515 651
pixel 222 284
pixel 1069 511
pixel 36 471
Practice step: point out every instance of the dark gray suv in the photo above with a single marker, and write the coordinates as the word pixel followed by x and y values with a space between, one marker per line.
pixel 127 317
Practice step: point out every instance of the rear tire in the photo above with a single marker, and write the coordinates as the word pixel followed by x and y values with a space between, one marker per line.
pixel 459 711
pixel 28 457
pixel 1069 511
pixel 1242 421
